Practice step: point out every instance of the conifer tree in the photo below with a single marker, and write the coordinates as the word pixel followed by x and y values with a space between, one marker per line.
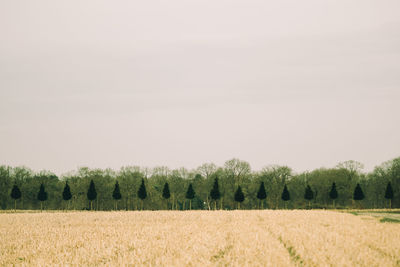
pixel 333 194
pixel 190 195
pixel 285 195
pixel 215 194
pixel 358 193
pixel 116 194
pixel 389 194
pixel 142 192
pixel 166 193
pixel 66 192
pixel 239 196
pixel 42 196
pixel 91 194
pixel 262 194
pixel 308 194
pixel 15 194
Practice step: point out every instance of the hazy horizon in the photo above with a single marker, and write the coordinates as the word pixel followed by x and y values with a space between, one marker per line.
pixel 180 83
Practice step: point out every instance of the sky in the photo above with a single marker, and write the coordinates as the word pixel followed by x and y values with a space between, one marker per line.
pixel 178 83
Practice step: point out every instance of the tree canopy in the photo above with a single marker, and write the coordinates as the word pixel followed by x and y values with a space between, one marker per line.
pixel 329 186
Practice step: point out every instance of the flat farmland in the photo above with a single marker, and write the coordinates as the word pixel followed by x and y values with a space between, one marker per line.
pixel 198 238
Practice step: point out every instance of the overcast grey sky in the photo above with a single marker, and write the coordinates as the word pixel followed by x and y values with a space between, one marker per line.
pixel 180 83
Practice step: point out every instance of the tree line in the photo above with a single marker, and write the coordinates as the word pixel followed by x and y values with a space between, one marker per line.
pixel 231 186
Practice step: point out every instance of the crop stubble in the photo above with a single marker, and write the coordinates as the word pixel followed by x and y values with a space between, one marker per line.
pixel 198 238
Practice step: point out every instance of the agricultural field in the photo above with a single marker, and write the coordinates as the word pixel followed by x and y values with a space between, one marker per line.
pixel 200 238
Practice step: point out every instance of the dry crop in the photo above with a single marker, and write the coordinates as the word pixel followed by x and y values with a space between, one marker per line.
pixel 198 238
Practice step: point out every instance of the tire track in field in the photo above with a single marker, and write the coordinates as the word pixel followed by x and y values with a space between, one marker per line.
pixel 372 246
pixel 316 246
pixel 294 255
pixel 296 258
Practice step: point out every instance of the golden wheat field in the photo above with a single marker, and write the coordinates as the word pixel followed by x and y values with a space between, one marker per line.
pixel 198 238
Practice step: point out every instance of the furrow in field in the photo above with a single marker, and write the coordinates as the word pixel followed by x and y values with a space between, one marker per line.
pixel 329 238
pixel 138 238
